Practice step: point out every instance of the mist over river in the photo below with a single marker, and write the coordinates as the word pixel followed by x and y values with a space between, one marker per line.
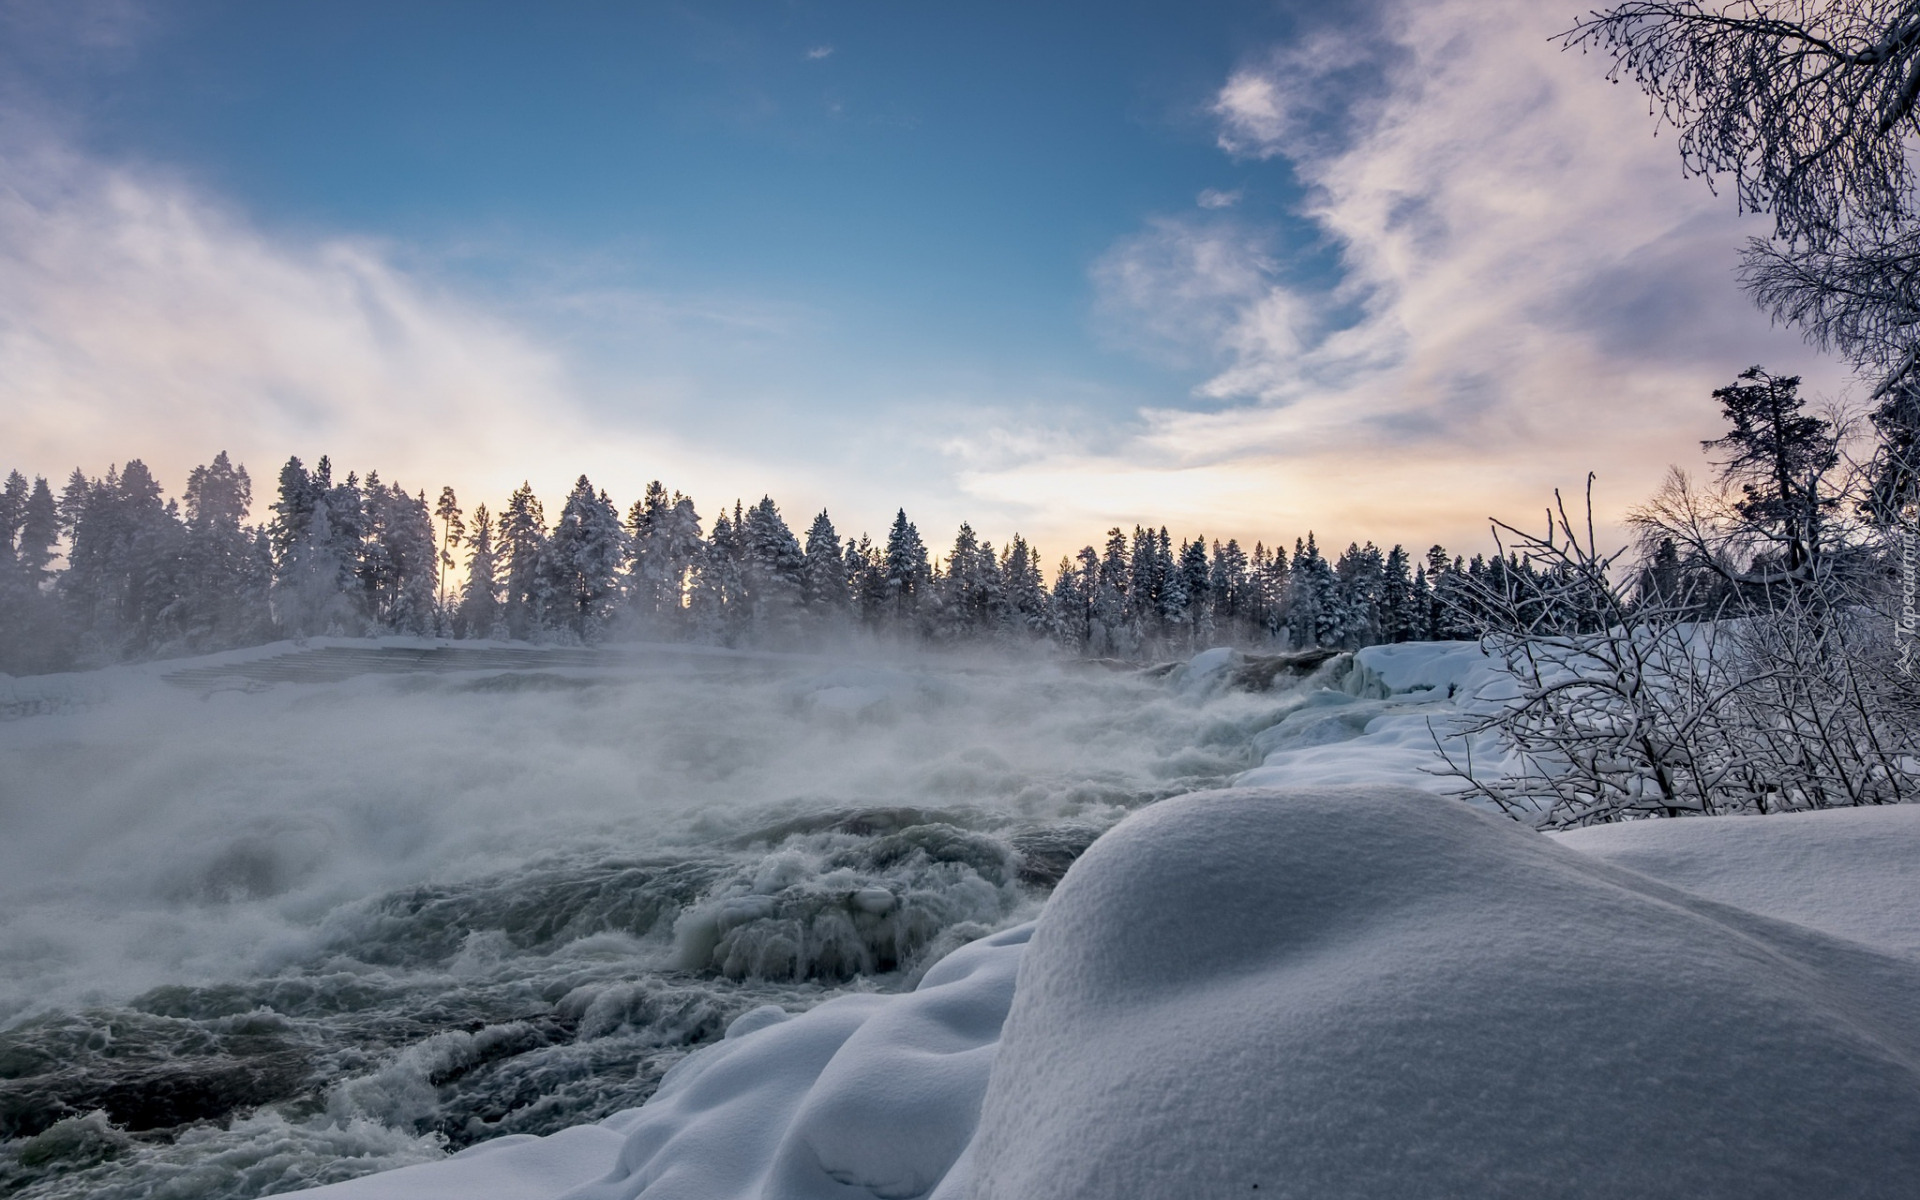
pixel 279 919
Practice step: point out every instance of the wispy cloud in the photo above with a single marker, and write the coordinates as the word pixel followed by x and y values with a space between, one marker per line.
pixel 138 318
pixel 1528 289
pixel 142 317
pixel 1215 198
pixel 1253 109
pixel 816 53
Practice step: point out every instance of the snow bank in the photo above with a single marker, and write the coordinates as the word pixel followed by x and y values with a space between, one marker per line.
pixel 1373 993
pixel 1850 872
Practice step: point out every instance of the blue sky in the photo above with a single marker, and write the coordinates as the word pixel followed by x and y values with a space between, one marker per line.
pixel 1048 267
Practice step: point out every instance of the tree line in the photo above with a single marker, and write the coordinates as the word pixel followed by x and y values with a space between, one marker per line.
pixel 110 569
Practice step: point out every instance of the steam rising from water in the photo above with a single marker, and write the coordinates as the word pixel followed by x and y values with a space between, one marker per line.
pixel 281 936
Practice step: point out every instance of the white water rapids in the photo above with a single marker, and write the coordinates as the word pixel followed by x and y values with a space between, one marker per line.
pixel 265 930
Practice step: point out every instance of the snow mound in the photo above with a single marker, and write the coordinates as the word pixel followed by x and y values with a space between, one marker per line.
pixel 516 1167
pixel 1348 993
pixel 865 1095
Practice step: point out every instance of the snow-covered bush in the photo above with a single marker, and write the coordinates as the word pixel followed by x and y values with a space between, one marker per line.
pixel 1621 701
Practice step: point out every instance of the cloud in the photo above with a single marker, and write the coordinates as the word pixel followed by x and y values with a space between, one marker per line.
pixel 816 53
pixel 1527 289
pixel 1215 198
pixel 1253 112
pixel 140 319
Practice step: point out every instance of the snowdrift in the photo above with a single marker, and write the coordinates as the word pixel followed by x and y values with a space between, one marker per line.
pixel 1376 993
pixel 1323 993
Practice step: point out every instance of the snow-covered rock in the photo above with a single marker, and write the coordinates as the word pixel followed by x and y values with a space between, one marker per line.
pixel 1377 993
pixel 1381 671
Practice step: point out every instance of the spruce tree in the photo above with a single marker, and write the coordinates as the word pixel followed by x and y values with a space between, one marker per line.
pixel 221 599
pixel 1196 582
pixel 907 571
pixel 583 560
pixel 1026 593
pixel 478 615
pixel 824 577
pixel 522 547
pixel 39 529
pixel 773 573
pixel 13 510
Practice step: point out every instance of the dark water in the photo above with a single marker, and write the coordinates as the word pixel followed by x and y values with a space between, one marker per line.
pixel 264 933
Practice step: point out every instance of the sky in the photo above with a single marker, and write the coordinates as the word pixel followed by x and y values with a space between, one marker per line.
pixel 1380 270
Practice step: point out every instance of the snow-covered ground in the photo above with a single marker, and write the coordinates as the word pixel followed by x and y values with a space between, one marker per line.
pixel 1326 980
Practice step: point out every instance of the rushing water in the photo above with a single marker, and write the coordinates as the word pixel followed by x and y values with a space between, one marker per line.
pixel 268 932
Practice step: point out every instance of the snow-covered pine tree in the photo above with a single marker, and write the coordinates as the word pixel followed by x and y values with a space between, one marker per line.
pixel 32 636
pixel 1107 631
pixel 1258 609
pixel 1026 593
pixel 38 530
pixel 292 508
pixel 221 600
pixel 1145 575
pixel 584 556
pixel 1229 588
pixel 1361 574
pixel 1196 582
pixel 824 577
pixel 1442 580
pixel 647 523
pixel 478 614
pixel 347 541
pixel 13 510
pixel 1072 601
pixel 867 571
pixel 1275 575
pixel 1176 607
pixel 522 551
pixel 679 549
pixel 398 571
pixel 908 573
pixel 1399 616
pixel 1422 605
pixel 972 600
pixel 1309 592
pixel 714 605
pixel 773 570
pixel 122 587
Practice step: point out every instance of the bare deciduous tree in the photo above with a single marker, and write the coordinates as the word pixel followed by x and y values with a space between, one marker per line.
pixel 1810 108
pixel 1721 690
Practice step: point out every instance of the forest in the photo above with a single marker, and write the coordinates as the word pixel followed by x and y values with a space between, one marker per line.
pixel 112 569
